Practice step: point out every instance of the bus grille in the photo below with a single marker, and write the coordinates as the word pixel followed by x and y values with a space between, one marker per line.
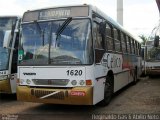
pixel 40 93
pixel 59 82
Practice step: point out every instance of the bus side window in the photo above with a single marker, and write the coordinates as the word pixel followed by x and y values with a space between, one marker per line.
pixel 135 47
pixel 99 49
pixel 109 39
pixel 136 51
pixel 128 44
pixel 97 36
pixel 117 40
pixel 123 41
pixel 132 45
pixel 139 49
pixel 142 52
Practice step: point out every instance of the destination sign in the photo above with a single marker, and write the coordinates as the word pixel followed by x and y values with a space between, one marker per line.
pixel 55 13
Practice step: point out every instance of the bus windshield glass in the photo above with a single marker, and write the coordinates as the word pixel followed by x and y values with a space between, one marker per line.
pixel 5 24
pixel 57 42
pixel 154 54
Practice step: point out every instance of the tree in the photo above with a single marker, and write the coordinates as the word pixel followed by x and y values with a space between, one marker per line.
pixel 144 38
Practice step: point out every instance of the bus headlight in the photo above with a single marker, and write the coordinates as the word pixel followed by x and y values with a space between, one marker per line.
pixel 28 81
pixel 21 81
pixel 82 82
pixel 74 82
pixel 3 77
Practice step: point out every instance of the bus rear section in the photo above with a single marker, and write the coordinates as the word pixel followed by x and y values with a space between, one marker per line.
pixel 64 58
pixel 9 38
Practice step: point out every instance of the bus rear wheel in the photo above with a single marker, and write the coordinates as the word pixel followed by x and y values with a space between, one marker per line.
pixel 108 91
pixel 135 77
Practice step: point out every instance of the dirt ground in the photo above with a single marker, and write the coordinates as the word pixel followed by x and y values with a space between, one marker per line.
pixel 141 101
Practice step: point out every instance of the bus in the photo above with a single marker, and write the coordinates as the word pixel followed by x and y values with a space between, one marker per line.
pixel 9 39
pixel 152 58
pixel 74 55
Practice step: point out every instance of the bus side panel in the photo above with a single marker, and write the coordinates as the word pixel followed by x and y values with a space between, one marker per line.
pixel 98 90
pixel 120 80
pixel 110 62
pixel 93 72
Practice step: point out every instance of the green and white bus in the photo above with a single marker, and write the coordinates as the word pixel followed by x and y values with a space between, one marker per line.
pixel 74 55
pixel 9 39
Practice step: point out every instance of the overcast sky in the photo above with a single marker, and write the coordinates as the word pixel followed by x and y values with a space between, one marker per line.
pixel 140 16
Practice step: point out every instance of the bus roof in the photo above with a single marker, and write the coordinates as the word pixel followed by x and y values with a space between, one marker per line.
pixel 116 24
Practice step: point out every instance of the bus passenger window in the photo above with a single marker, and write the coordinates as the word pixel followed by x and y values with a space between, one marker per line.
pixel 117 40
pixel 139 49
pixel 123 41
pixel 109 40
pixel 128 44
pixel 132 45
pixel 97 36
pixel 136 48
pixel 99 49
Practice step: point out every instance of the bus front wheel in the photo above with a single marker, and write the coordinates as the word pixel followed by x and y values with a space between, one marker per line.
pixel 108 91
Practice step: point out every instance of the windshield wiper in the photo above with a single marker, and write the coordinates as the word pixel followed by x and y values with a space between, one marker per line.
pixel 58 32
pixel 41 32
pixel 63 26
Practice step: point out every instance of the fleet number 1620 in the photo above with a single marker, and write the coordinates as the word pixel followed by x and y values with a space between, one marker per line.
pixel 74 72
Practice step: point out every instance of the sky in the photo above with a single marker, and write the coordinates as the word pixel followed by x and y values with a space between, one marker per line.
pixel 140 16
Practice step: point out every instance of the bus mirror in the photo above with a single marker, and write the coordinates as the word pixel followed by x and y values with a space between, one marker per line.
pixel 156 41
pixel 7 39
pixel 102 28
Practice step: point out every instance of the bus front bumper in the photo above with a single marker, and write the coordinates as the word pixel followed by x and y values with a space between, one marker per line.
pixel 74 96
pixel 5 86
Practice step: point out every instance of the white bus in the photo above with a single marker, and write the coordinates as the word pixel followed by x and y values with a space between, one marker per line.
pixel 9 38
pixel 152 59
pixel 74 55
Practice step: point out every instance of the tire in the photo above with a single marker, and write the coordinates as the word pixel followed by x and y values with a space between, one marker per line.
pixel 108 91
pixel 135 77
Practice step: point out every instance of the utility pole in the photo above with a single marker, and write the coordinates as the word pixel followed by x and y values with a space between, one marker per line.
pixel 120 12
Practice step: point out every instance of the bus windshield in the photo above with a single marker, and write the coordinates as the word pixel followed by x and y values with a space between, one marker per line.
pixel 154 54
pixel 57 42
pixel 5 24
